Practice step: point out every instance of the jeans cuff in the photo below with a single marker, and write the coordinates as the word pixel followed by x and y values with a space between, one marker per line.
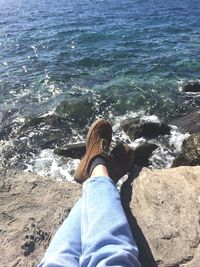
pixel 98 178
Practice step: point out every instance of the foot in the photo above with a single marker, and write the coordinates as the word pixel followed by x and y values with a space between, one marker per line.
pixel 97 144
pixel 122 159
pixel 115 165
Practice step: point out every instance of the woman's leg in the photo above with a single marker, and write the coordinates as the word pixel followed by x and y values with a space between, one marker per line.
pixel 65 248
pixel 106 235
pixel 96 232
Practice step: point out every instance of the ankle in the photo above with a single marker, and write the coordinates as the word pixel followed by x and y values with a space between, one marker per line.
pixel 98 160
pixel 99 170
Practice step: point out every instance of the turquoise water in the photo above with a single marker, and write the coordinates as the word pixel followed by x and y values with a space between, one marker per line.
pixel 100 58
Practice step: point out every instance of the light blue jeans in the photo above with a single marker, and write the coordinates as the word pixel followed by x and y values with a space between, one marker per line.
pixel 96 233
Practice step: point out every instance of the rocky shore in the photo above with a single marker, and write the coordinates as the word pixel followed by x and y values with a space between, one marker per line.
pixel 32 208
pixel 162 207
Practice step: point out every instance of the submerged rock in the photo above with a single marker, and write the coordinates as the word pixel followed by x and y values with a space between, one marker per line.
pixel 191 87
pixel 78 110
pixel 24 139
pixel 75 151
pixel 189 123
pixel 190 155
pixel 136 128
pixel 45 132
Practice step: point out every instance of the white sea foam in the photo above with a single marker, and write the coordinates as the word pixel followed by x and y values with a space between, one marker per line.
pixel 23 93
pixel 120 135
pixel 19 120
pixel 177 138
pixel 24 68
pixel 54 90
pixel 49 164
pixel 34 49
pixel 150 118
pixel 168 146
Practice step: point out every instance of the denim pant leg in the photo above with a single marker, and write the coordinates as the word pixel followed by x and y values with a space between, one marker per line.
pixel 65 247
pixel 106 236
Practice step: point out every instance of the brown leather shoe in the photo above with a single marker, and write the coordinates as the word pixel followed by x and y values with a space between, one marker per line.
pixel 97 143
pixel 122 159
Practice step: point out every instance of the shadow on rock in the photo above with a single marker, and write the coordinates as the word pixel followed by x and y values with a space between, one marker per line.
pixel 145 255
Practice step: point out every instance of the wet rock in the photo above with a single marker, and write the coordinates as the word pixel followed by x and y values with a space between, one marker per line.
pixel 79 110
pixel 6 131
pixel 190 155
pixel 30 136
pixel 189 123
pixel 143 153
pixel 165 204
pixel 45 132
pixel 49 131
pixel 75 151
pixel 136 128
pixel 191 87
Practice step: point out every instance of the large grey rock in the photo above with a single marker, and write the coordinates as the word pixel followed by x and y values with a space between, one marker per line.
pixel 190 154
pixel 32 208
pixel 189 123
pixel 136 128
pixel 166 205
pixel 164 216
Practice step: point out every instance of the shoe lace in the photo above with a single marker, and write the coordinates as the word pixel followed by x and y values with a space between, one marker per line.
pixel 104 146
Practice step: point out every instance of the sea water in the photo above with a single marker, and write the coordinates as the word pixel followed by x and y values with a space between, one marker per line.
pixel 101 58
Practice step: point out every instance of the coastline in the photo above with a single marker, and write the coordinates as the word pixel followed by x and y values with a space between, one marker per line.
pixel 136 64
